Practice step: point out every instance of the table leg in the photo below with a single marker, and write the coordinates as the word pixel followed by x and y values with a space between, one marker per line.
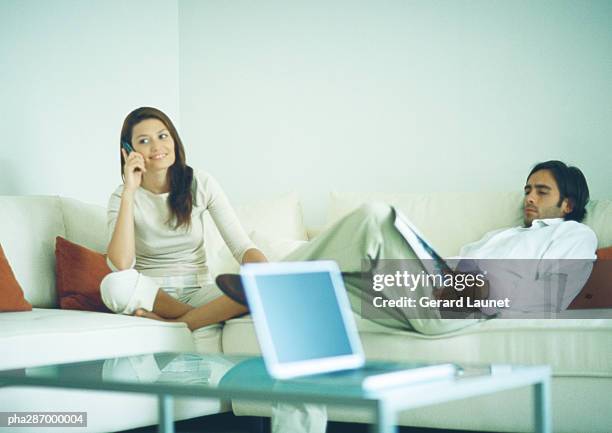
pixel 542 407
pixel 166 415
pixel 385 419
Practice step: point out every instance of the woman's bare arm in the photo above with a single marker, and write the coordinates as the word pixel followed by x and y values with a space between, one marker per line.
pixel 121 249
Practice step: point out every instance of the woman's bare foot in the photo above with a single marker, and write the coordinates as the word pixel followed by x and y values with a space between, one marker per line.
pixel 141 312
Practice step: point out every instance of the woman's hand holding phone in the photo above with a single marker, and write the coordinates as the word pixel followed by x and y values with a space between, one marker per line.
pixel 133 169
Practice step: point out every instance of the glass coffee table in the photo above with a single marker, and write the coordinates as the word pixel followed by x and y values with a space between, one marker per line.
pixel 170 375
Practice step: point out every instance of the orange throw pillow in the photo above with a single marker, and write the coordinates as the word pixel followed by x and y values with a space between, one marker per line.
pixel 604 253
pixel 78 273
pixel 11 295
pixel 597 292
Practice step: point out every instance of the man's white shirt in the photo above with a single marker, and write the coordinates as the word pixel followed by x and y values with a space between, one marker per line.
pixel 539 268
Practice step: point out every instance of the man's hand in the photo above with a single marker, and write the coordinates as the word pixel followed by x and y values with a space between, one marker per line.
pixel 477 292
pixel 473 292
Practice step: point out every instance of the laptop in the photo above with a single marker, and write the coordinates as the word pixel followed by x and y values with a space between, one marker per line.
pixel 305 326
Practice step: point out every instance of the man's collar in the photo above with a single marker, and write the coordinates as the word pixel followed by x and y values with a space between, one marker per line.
pixel 546 222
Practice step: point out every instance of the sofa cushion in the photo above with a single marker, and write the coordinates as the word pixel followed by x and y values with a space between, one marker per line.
pixel 85 223
pixel 573 347
pixel 281 216
pixel 11 295
pixel 79 272
pixel 597 292
pixel 47 336
pixel 599 218
pixel 273 247
pixel 28 227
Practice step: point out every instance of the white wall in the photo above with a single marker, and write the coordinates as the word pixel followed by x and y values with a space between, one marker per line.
pixel 312 95
pixel 70 72
pixel 394 95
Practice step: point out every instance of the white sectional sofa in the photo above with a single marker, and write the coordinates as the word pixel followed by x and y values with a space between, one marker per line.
pixel 579 350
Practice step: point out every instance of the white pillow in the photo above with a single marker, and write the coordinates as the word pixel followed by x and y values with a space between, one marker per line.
pixel 274 248
pixel 222 262
pixel 85 223
pixel 599 218
pixel 280 216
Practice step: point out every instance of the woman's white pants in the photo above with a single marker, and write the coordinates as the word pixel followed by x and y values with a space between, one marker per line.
pixel 124 292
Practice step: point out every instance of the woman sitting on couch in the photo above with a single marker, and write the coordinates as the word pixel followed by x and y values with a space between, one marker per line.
pixel 157 247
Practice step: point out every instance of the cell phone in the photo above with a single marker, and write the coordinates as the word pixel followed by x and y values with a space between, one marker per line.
pixel 127 146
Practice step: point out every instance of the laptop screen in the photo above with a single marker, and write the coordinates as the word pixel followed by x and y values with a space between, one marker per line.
pixel 303 316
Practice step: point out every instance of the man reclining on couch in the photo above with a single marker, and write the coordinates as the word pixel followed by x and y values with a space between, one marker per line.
pixel 554 205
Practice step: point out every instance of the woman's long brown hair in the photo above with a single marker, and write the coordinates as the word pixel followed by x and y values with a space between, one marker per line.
pixel 180 174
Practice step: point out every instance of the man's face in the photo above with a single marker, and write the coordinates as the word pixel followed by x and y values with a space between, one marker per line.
pixel 542 198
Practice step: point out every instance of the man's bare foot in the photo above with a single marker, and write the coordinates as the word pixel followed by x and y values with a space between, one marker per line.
pixel 141 312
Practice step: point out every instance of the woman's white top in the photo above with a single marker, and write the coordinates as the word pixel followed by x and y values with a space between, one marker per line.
pixel 162 250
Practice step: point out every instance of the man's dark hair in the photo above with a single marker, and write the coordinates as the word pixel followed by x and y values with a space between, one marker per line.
pixel 572 186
